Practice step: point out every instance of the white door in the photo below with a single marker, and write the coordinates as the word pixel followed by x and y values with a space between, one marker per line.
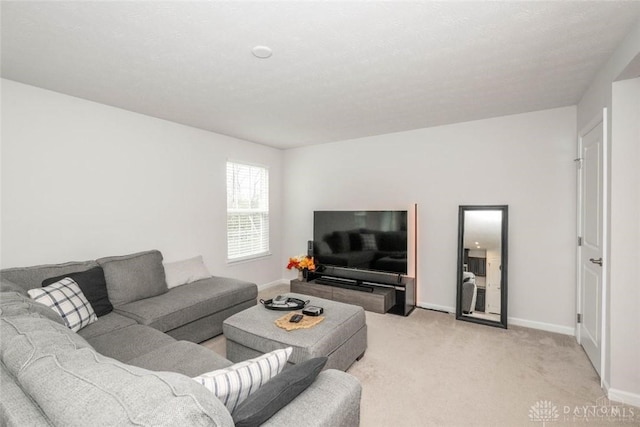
pixel 493 286
pixel 591 252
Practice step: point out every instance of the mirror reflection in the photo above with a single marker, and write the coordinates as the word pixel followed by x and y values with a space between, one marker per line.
pixel 481 269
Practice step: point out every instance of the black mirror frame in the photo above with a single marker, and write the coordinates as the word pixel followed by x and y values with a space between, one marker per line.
pixel 503 285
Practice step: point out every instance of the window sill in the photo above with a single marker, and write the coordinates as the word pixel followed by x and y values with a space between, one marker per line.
pixel 248 259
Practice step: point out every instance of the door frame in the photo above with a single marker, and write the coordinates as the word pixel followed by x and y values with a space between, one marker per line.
pixel 604 119
pixel 495 273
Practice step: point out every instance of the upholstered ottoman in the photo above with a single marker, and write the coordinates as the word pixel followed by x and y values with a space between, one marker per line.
pixel 341 336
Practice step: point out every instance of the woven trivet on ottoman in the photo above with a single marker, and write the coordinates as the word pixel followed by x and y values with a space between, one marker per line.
pixel 306 322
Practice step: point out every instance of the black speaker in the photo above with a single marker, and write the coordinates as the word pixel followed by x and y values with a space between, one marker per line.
pixel 310 247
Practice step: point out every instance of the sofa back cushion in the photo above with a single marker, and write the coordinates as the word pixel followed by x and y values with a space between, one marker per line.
pixel 393 241
pixel 74 385
pixel 32 277
pixel 134 277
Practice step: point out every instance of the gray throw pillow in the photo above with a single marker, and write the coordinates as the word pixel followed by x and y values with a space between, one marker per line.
pixel 134 277
pixel 277 393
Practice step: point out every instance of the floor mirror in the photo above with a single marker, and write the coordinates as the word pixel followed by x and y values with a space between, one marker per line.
pixel 482 265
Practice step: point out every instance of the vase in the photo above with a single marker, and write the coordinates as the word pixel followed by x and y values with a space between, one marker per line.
pixel 300 275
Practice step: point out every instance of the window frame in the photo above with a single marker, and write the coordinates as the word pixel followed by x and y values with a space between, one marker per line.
pixel 265 211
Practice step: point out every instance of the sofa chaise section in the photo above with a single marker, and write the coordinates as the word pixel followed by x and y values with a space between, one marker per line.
pixel 193 312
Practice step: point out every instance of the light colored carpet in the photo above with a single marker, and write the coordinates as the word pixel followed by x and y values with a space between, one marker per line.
pixel 428 369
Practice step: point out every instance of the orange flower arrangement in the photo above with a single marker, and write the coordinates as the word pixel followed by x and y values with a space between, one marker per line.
pixel 302 262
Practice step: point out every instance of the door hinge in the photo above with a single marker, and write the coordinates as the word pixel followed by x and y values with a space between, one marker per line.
pixel 578 162
pixel 579 318
pixel 579 240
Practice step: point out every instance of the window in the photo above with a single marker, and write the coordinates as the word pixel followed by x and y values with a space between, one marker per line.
pixel 247 211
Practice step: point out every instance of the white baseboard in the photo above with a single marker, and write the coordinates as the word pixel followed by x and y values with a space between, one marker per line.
pixel 436 307
pixel 549 327
pixel 272 284
pixel 625 397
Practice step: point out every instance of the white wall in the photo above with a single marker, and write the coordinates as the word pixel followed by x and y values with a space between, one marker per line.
pixel 524 161
pixel 81 180
pixel 597 96
pixel 625 240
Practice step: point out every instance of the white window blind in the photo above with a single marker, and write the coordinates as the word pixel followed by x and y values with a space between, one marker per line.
pixel 247 211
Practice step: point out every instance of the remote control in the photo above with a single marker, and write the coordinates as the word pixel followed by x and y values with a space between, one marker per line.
pixel 296 318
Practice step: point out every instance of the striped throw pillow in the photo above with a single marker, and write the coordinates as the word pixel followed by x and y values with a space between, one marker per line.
pixel 234 384
pixel 66 298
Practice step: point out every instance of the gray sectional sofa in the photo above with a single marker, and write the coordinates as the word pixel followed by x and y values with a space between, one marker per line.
pixel 137 289
pixel 133 366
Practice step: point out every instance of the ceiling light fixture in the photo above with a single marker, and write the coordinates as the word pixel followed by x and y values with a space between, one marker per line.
pixel 262 52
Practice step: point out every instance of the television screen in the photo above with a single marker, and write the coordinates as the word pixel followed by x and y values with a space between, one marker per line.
pixel 366 240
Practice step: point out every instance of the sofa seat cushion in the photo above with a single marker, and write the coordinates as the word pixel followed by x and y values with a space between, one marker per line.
pixel 130 342
pixel 76 386
pixel 332 400
pixel 188 303
pixel 106 324
pixel 183 357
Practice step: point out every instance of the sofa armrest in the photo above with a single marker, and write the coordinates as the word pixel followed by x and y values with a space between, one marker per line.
pixel 332 400
pixel 16 408
pixel 9 286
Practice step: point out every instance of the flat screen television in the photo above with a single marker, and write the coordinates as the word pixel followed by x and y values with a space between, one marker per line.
pixel 363 240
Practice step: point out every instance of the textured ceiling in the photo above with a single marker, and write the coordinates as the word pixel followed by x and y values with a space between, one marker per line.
pixel 339 70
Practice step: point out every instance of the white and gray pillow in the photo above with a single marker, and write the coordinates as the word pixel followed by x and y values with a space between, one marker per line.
pixel 368 242
pixel 66 298
pixel 186 271
pixel 234 384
